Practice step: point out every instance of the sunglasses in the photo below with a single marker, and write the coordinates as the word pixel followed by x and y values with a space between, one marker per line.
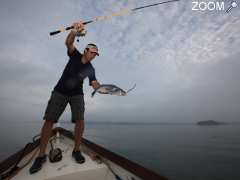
pixel 92 52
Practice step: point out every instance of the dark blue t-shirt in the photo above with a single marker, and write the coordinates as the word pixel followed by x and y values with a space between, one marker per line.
pixel 71 81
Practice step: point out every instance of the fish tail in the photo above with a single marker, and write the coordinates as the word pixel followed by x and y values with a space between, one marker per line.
pixel 131 88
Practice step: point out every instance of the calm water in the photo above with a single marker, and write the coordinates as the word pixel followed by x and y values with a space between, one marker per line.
pixel 179 152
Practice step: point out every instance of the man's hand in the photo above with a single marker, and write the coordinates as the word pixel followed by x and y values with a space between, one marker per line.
pixel 95 84
pixel 78 27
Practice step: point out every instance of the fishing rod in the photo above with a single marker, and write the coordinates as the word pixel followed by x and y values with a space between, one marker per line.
pixel 119 13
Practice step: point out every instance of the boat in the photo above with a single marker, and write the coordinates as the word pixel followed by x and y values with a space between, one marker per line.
pixel 100 164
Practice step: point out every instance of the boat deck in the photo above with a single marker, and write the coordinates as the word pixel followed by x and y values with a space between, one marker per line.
pixel 67 168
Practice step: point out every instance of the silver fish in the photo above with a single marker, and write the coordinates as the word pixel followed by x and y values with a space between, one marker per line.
pixel 111 89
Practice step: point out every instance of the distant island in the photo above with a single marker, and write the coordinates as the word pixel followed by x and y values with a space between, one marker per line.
pixel 209 123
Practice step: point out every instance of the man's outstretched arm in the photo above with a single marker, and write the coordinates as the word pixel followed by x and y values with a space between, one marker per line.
pixel 78 27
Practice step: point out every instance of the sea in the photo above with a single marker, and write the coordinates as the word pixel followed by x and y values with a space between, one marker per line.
pixel 177 151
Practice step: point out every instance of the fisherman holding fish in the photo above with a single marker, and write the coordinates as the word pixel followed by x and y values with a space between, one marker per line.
pixel 69 89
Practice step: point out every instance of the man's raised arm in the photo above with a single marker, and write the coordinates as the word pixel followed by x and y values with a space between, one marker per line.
pixel 78 27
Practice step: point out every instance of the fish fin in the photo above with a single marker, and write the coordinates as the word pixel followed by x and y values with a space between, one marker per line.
pixel 131 89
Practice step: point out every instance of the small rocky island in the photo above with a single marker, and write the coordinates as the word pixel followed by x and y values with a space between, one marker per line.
pixel 209 123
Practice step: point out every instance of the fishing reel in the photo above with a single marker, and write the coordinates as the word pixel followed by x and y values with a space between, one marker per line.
pixel 55 154
pixel 81 34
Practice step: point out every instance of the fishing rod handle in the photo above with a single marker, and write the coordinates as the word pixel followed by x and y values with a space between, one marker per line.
pixel 61 30
pixel 67 28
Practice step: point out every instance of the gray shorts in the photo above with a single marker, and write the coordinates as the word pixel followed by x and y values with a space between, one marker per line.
pixel 57 104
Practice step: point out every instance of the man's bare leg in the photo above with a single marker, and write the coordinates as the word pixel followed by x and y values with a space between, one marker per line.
pixel 78 132
pixel 45 135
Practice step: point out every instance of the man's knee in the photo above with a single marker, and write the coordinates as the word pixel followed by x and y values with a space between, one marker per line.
pixel 79 121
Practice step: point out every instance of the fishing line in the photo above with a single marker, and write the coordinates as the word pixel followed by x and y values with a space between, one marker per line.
pixel 115 14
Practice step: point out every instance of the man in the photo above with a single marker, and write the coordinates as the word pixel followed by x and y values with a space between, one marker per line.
pixel 69 90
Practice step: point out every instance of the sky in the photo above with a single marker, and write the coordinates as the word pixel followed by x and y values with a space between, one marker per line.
pixel 185 63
